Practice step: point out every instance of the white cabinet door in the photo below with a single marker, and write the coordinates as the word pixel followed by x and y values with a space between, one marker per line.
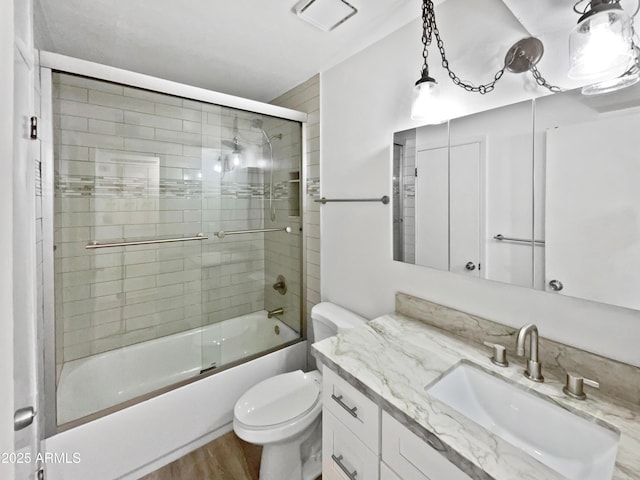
pixel 411 457
pixel 344 456
pixel 358 413
pixel 386 473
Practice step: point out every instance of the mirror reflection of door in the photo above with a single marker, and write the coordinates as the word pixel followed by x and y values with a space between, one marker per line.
pixel 449 218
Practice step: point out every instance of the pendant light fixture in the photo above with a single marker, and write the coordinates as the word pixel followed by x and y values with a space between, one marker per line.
pixel 601 44
pixel 427 104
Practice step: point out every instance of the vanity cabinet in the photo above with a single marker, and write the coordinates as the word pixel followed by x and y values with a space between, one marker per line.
pixel 361 442
pixel 350 431
pixel 411 457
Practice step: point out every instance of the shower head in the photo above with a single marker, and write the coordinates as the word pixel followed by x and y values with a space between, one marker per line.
pixel 257 123
pixel 277 135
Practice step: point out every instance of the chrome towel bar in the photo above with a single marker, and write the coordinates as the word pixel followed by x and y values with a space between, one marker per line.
pixel 93 245
pixel 323 200
pixel 222 233
pixel 518 240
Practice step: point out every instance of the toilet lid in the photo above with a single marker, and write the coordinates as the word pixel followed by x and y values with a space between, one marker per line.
pixel 278 399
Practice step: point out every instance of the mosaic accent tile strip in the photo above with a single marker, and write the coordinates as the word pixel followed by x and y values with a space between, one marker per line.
pixel 135 187
pixel 313 187
pixel 409 191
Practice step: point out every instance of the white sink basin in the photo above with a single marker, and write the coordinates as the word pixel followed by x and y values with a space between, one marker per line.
pixel 569 444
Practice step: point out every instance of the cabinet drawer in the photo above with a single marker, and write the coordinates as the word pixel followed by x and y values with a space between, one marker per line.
pixel 352 408
pixel 413 458
pixel 344 456
pixel 386 473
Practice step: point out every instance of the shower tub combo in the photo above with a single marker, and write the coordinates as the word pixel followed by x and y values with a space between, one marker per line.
pixel 95 383
pixel 174 211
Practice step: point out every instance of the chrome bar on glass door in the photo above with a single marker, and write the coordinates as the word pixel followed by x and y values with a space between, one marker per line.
pixel 94 244
pixel 519 240
pixel 222 233
pixel 323 200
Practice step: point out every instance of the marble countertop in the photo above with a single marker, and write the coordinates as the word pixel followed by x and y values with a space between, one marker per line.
pixel 392 358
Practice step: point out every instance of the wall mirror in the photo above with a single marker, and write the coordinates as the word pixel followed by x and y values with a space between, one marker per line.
pixel 541 194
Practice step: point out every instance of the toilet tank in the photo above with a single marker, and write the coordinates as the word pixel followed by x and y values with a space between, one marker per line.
pixel 329 319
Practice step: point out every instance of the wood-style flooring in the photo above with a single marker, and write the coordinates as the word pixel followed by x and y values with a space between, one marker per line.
pixel 226 458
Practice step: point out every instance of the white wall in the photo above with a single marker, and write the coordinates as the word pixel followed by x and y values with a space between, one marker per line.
pixel 6 207
pixel 364 100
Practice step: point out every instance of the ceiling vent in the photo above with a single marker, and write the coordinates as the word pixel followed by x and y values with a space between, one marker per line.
pixel 325 14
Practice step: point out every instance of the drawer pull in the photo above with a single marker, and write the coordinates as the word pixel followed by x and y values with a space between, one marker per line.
pixel 352 411
pixel 338 460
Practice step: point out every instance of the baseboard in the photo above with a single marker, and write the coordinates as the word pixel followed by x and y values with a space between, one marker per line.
pixel 176 454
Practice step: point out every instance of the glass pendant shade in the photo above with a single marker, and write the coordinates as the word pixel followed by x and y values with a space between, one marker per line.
pixel 608 86
pixel 600 46
pixel 427 105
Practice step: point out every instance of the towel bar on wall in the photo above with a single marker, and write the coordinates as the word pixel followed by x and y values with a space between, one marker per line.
pixel 517 240
pixel 323 200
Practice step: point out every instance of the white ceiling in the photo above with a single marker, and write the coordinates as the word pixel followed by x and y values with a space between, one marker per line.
pixel 252 48
pixel 259 49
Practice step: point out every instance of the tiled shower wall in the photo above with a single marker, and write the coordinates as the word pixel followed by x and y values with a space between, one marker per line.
pixel 133 164
pixel 282 250
pixel 306 98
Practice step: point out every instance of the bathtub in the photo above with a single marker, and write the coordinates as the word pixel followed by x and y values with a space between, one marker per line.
pixel 134 441
pixel 91 384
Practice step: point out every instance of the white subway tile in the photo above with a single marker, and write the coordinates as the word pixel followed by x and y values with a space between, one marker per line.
pixel 121 102
pixel 107 316
pixel 87 110
pixel 120 129
pixel 138 336
pixel 73 123
pixel 152 96
pixel 77 322
pixel 90 83
pixel 69 92
pixel 140 283
pixel 78 292
pixel 150 146
pixel 154 121
pixel 177 112
pixel 108 330
pixel 139 309
pixel 106 232
pixel 106 288
pixel 184 138
pixel 92 140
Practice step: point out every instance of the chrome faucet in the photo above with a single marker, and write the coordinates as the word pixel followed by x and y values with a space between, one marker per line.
pixel 274 312
pixel 534 367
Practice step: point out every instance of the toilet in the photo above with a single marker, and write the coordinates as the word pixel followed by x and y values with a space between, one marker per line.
pixel 282 413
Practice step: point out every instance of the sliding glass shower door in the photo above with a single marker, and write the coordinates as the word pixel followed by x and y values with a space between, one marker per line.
pixel 174 219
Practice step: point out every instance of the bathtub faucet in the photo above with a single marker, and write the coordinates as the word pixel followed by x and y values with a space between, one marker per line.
pixel 274 312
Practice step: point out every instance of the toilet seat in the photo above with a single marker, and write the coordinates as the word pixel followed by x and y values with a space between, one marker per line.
pixel 278 400
pixel 279 407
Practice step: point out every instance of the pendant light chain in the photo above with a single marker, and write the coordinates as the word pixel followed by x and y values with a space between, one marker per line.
pixel 430 28
pixel 540 80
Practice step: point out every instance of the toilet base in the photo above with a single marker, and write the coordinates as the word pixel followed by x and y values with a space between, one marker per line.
pixel 299 458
